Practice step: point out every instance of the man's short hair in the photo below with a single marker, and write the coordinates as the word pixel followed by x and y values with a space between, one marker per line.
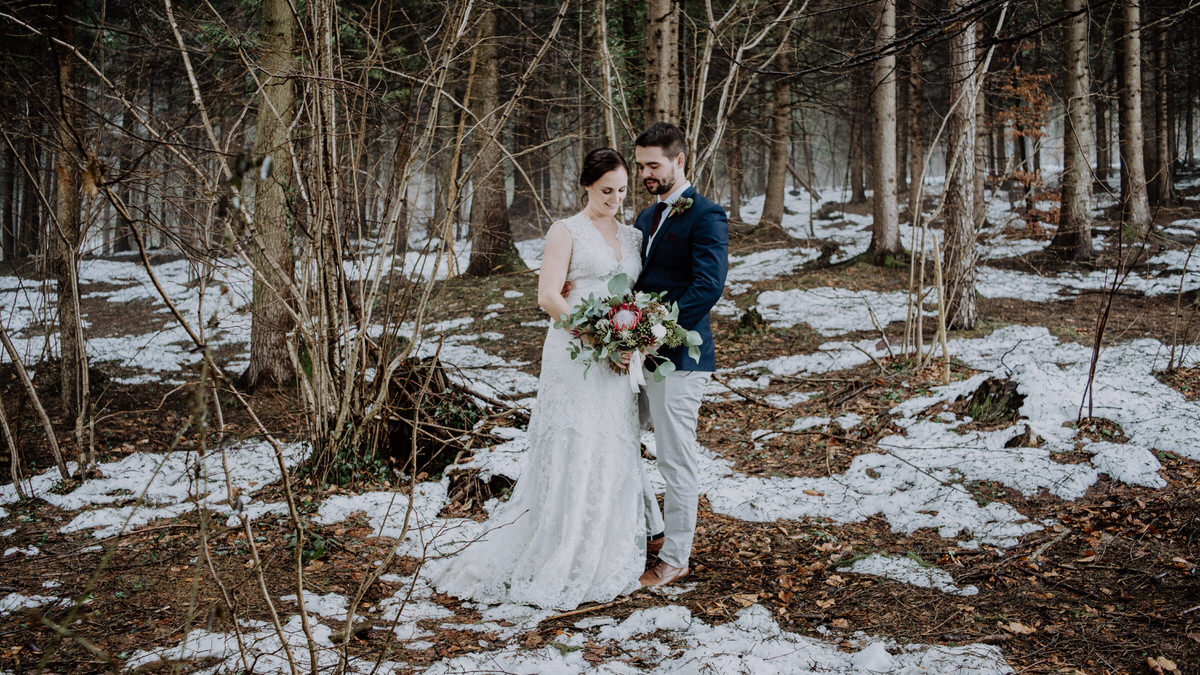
pixel 663 135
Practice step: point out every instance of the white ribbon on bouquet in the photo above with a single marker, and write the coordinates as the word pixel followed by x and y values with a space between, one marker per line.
pixel 636 377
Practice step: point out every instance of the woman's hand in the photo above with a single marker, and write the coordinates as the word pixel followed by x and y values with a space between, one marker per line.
pixel 626 357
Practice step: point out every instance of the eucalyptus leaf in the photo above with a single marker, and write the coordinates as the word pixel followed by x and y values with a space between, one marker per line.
pixel 618 285
pixel 664 369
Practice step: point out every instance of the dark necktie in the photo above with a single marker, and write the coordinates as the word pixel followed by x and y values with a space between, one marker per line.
pixel 658 211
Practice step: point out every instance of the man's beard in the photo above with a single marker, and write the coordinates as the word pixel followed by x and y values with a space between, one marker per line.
pixel 662 189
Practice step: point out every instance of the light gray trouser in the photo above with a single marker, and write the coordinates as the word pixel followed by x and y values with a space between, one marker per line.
pixel 673 405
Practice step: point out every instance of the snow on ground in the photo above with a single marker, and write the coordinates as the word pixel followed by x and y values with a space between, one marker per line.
pixel 13 602
pixel 143 487
pixel 664 639
pixel 214 299
pixel 833 311
pixel 753 644
pixel 920 478
pixel 765 265
pixel 910 571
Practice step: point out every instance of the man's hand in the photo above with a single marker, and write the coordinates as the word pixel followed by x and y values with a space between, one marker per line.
pixel 566 289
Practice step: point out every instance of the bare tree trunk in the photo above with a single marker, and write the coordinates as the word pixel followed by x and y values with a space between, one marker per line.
pixel 1149 130
pixel 523 213
pixel 979 209
pixel 1189 105
pixel 734 170
pixel 1164 157
pixel 492 248
pixel 662 61
pixel 66 235
pixel 271 321
pixel 30 236
pixel 885 230
pixel 916 132
pixel 444 174
pixel 901 132
pixel 1103 132
pixel 1073 240
pixel 781 115
pixel 858 131
pixel 1103 137
pixel 959 255
pixel 8 199
pixel 1135 206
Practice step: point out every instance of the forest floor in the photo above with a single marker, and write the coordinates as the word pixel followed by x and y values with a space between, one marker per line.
pixel 858 514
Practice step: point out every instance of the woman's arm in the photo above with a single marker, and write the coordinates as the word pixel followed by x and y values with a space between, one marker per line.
pixel 555 261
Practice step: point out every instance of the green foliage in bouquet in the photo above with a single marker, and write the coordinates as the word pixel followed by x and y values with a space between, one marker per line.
pixel 626 321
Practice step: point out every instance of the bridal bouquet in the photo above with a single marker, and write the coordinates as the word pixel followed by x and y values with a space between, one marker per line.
pixel 627 321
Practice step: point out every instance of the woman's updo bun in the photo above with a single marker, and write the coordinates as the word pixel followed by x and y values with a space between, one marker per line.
pixel 599 162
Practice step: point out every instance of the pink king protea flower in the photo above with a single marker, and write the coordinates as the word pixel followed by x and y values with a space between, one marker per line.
pixel 625 316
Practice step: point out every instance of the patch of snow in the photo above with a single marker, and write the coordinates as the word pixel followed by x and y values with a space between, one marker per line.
pixel 264 652
pixel 752 644
pixel 385 512
pixel 27 551
pixel 768 264
pixel 833 311
pixel 330 605
pixel 164 483
pixel 909 571
pixel 15 602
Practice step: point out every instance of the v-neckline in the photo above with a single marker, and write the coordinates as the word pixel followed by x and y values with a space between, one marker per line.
pixel 617 233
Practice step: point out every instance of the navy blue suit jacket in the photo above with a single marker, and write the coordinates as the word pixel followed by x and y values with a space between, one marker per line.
pixel 688 260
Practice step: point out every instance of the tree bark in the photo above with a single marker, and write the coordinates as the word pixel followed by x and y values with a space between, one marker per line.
pixel 979 208
pixel 1103 135
pixel 65 235
pixel 1135 206
pixel 8 199
pixel 916 133
pixel 1164 157
pixel 959 255
pixel 885 230
pixel 662 61
pixel 1103 138
pixel 858 131
pixel 1073 240
pixel 492 249
pixel 781 116
pixel 1189 105
pixel 734 169
pixel 271 320
pixel 30 235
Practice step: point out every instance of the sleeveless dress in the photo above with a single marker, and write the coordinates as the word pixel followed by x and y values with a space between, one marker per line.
pixel 573 530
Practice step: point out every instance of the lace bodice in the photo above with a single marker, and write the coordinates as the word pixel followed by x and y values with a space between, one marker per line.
pixel 594 263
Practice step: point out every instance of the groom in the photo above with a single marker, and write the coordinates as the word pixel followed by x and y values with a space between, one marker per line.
pixel 685 246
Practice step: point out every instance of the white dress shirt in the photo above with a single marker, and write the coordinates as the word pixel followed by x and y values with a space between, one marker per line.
pixel 670 200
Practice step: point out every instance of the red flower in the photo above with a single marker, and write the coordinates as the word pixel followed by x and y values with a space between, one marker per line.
pixel 625 316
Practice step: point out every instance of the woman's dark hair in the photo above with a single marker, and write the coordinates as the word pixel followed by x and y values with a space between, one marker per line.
pixel 599 162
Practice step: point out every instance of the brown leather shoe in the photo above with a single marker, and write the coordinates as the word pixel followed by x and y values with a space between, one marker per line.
pixel 662 574
pixel 653 546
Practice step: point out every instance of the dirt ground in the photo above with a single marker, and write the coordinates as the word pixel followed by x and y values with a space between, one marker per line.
pixel 1113 586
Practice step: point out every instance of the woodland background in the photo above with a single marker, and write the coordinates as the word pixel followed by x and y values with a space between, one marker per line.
pixel 314 144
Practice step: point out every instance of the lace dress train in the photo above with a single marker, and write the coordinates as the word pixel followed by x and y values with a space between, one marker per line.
pixel 572 531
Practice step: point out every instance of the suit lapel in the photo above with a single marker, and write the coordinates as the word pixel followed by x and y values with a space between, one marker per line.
pixel 670 222
pixel 641 223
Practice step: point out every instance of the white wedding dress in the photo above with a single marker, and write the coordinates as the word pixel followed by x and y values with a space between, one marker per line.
pixel 573 530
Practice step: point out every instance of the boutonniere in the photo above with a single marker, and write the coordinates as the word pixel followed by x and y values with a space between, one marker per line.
pixel 680 206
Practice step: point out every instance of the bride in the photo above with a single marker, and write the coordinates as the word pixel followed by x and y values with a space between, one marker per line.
pixel 573 531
